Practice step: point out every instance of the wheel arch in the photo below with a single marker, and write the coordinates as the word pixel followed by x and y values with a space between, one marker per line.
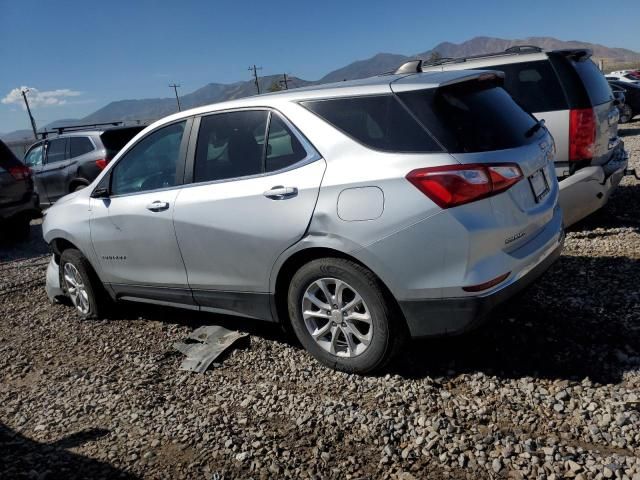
pixel 301 257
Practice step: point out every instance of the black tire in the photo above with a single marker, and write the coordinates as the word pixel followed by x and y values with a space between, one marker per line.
pixel 98 300
pixel 626 115
pixel 79 187
pixel 388 333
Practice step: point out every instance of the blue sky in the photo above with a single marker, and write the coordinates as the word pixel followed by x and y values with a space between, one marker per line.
pixel 80 55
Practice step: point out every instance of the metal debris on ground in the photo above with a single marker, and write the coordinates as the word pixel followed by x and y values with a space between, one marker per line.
pixel 204 345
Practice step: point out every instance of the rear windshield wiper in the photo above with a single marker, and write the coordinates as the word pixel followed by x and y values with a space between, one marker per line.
pixel 538 125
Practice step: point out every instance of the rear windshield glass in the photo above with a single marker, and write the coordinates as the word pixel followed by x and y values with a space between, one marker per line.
pixel 7 157
pixel 471 117
pixel 594 81
pixel 379 122
pixel 534 85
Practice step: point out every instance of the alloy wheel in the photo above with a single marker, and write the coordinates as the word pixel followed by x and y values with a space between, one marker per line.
pixel 337 318
pixel 75 288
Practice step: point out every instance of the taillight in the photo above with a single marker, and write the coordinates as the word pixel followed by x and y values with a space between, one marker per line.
pixel 20 172
pixel 582 134
pixel 453 185
pixel 101 163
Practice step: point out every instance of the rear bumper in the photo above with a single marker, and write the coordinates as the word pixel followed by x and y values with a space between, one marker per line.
pixel 452 316
pixel 589 188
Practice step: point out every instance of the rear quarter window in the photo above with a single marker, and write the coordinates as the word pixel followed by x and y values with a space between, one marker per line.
pixel 534 85
pixel 471 117
pixel 379 122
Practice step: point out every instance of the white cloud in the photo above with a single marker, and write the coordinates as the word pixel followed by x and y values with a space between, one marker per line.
pixel 39 98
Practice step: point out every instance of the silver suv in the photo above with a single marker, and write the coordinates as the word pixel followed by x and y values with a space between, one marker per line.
pixel 566 90
pixel 359 213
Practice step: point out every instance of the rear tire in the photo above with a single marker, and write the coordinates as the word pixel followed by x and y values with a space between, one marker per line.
pixel 79 187
pixel 350 315
pixel 81 284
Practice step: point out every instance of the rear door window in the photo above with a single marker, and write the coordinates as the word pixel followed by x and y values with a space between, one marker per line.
pixel 230 145
pixel 283 148
pixel 471 117
pixel 57 150
pixel 79 146
pixel 379 122
pixel 534 85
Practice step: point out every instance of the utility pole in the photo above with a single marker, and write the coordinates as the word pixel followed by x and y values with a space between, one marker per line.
pixel 284 81
pixel 255 76
pixel 175 89
pixel 33 122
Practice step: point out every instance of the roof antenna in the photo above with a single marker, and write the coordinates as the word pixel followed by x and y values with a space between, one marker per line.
pixel 412 66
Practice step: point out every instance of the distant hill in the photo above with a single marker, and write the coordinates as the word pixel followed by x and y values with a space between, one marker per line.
pixel 150 109
pixel 481 45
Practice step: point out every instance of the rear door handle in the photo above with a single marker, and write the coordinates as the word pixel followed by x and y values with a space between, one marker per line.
pixel 158 206
pixel 281 193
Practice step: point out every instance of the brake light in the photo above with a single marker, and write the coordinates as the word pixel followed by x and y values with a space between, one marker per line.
pixel 101 164
pixel 453 185
pixel 582 134
pixel 20 172
pixel 486 285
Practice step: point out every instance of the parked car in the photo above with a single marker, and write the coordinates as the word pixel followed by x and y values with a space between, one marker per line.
pixel 630 79
pixel 357 212
pixel 632 99
pixel 74 158
pixel 632 75
pixel 19 202
pixel 566 90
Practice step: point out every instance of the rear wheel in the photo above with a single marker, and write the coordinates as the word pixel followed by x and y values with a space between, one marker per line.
pixel 81 285
pixel 341 314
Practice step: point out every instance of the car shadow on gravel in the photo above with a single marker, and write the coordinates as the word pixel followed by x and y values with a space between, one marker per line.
pixel 629 132
pixel 21 457
pixel 581 319
pixel 622 211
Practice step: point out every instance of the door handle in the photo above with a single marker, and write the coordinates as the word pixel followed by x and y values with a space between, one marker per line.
pixel 158 206
pixel 281 193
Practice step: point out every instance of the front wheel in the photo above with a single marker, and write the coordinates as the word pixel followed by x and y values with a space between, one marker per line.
pixel 342 315
pixel 81 284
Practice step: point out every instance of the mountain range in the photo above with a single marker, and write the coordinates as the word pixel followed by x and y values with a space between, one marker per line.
pixel 149 109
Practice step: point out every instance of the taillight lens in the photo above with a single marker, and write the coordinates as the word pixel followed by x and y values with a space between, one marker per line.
pixel 582 134
pixel 453 185
pixel 101 163
pixel 20 172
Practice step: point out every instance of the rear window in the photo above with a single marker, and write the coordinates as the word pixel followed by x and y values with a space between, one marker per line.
pixel 471 117
pixel 79 146
pixel 594 81
pixel 379 122
pixel 7 157
pixel 534 85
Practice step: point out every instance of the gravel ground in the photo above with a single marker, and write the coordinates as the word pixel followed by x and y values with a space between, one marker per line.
pixel 549 389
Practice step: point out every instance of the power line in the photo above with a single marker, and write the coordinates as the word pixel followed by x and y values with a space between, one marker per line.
pixel 33 122
pixel 175 89
pixel 255 76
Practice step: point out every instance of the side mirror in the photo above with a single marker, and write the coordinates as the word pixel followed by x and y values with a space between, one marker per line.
pixel 100 192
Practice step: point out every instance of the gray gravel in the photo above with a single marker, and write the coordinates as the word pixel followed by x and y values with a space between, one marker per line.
pixel 549 389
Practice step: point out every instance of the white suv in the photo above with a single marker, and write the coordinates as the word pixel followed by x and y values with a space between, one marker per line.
pixel 566 90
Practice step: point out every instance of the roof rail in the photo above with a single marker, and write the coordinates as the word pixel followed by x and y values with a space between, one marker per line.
pixel 523 48
pixel 74 128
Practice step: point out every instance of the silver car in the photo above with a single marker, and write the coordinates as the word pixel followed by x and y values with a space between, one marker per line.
pixel 359 213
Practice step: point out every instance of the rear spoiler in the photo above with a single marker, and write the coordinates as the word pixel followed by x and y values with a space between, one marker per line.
pixel 577 54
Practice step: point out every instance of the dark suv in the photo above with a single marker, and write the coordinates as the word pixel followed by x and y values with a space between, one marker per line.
pixel 566 90
pixel 18 200
pixel 74 158
pixel 632 99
